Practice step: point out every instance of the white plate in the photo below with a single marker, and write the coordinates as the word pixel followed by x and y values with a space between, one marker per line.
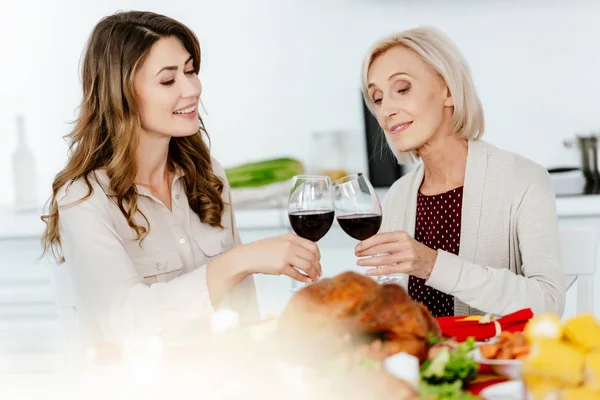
pixel 511 390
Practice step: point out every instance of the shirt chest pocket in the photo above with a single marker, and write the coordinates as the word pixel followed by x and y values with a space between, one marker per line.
pixel 158 267
pixel 213 241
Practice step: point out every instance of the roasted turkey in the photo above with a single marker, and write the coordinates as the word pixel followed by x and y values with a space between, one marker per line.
pixel 351 308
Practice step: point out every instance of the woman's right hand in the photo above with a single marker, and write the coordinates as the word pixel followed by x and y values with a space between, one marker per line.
pixel 279 255
pixel 282 255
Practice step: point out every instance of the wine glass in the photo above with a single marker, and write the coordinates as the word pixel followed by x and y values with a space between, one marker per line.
pixel 310 206
pixel 358 210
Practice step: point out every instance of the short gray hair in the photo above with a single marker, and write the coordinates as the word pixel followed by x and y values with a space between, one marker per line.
pixel 442 55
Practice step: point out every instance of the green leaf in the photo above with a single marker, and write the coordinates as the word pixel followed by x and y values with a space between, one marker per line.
pixel 433 339
pixel 437 367
pixel 461 365
pixel 445 391
pixel 451 366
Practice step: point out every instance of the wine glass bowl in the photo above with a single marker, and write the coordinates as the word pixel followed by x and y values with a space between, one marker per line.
pixel 360 226
pixel 310 206
pixel 311 224
pixel 357 206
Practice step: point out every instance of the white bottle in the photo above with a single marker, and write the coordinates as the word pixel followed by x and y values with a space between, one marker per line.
pixel 24 172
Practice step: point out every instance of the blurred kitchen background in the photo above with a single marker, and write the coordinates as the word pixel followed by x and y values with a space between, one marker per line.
pixel 274 74
pixel 276 71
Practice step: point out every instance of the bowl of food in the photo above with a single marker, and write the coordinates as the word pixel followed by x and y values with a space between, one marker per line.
pixel 505 355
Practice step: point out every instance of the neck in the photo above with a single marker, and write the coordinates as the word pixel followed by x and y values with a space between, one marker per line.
pixel 445 161
pixel 152 160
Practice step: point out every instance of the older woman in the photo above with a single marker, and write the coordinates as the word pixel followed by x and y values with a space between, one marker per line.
pixel 474 227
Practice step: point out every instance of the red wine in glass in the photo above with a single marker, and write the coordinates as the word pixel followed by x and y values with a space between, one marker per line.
pixel 310 207
pixel 360 226
pixel 311 224
pixel 358 210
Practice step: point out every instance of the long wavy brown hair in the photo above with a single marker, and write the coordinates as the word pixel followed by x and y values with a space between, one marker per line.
pixel 106 132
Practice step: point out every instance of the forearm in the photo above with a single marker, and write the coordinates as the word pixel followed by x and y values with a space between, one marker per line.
pixel 495 290
pixel 224 272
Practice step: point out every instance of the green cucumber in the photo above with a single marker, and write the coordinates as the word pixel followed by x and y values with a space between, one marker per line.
pixel 263 172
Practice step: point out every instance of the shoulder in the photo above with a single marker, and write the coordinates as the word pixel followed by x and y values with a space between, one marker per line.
pixel 91 189
pixel 219 171
pixel 217 168
pixel 518 169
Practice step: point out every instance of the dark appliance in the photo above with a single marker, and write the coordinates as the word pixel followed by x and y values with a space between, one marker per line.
pixel 383 169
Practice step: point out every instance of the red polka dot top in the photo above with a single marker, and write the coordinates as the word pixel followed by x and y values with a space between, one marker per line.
pixel 437 226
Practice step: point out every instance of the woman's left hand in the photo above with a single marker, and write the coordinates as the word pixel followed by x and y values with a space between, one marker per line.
pixel 395 252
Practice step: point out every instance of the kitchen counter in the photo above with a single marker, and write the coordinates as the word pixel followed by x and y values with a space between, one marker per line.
pixel 14 224
pixel 19 224
pixel 578 206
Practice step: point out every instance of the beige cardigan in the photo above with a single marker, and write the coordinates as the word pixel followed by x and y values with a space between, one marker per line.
pixel 509 255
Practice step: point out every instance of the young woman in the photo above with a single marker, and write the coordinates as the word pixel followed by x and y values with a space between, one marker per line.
pixel 141 213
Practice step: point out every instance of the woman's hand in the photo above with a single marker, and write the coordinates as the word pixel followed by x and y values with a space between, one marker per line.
pixel 282 255
pixel 279 255
pixel 396 252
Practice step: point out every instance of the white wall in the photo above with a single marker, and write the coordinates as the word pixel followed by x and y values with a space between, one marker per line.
pixel 274 71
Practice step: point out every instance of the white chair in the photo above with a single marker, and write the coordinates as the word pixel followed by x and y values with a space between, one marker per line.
pixel 579 248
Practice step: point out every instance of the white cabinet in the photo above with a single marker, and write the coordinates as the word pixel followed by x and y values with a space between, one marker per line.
pixel 594 223
pixel 580 211
pixel 28 316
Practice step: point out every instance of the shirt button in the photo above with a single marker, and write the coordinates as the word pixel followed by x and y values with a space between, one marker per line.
pixel 158 266
pixel 181 240
pixel 177 196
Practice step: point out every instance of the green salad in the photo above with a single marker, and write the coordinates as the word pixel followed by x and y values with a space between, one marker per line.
pixel 444 391
pixel 445 375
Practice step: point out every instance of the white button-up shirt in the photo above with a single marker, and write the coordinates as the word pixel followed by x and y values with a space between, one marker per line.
pixel 126 288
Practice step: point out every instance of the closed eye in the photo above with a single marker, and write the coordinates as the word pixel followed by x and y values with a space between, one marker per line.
pixel 172 81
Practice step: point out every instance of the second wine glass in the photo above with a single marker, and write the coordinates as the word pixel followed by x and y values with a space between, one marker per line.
pixel 358 210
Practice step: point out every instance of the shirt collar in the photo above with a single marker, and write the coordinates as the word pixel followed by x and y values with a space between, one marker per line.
pixel 104 181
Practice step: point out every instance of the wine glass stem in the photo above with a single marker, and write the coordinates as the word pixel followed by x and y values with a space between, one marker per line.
pixel 383 279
